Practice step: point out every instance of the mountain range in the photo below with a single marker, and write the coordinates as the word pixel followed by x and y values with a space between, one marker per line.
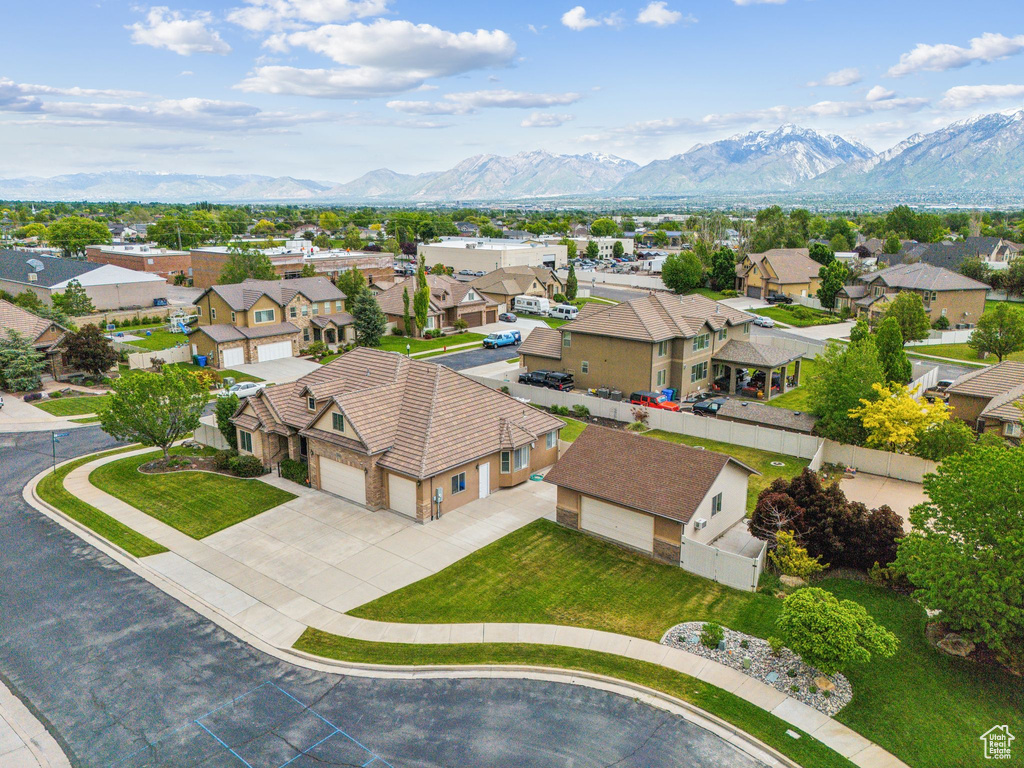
pixel 982 156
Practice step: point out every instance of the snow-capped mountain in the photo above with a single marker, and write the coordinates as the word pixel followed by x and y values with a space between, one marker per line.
pixel 761 161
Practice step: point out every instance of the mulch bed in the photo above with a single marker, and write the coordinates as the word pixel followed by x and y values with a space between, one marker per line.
pixel 182 464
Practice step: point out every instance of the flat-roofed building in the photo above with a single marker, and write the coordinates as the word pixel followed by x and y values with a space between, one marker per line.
pixel 143 257
pixel 485 254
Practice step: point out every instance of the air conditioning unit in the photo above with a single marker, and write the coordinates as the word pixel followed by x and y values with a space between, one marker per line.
pixel 700 524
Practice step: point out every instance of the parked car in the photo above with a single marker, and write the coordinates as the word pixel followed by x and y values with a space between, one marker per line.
pixel 1 402
pixel 764 322
pixel 708 407
pixel 564 312
pixel 653 400
pixel 507 317
pixel 534 378
pixel 779 298
pixel 502 339
pixel 243 389
pixel 563 382
pixel 466 272
pixel 939 391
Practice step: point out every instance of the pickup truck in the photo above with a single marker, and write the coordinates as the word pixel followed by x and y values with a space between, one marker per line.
pixel 939 392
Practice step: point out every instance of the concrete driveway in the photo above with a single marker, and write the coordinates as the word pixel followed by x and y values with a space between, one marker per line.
pixel 279 371
pixel 874 491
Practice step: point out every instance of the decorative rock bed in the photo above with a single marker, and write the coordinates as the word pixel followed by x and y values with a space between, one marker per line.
pixel 782 672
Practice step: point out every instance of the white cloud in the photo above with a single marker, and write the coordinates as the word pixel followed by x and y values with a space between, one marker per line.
pixel 658 13
pixel 577 20
pixel 939 58
pixel 961 96
pixel 840 78
pixel 470 102
pixel 759 2
pixel 385 57
pixel 546 120
pixel 263 15
pixel 169 29
pixel 878 93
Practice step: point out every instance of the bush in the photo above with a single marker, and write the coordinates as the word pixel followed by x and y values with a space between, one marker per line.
pixel 460 324
pixel 561 298
pixel 504 389
pixel 729 293
pixel 581 411
pixel 790 559
pixel 56 395
pixel 296 471
pixel 637 426
pixel 222 460
pixel 776 645
pixel 712 635
pixel 559 410
pixel 396 331
pixel 942 324
pixel 246 466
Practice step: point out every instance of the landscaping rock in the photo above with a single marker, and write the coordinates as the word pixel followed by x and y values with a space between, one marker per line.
pixel 793 581
pixel 955 645
pixel 824 684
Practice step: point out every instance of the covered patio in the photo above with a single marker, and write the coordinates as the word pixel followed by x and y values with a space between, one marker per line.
pixel 333 329
pixel 737 356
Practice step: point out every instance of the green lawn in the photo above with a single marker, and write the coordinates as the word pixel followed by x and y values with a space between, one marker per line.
pixel 51 490
pixel 797 399
pixel 196 503
pixel 73 406
pixel 927 708
pixel 238 375
pixel 87 420
pixel 752 457
pixel 959 352
pixel 573 429
pixel 397 344
pixel 806 751
pixel 797 315
pixel 715 295
pixel 158 338
pixel 992 303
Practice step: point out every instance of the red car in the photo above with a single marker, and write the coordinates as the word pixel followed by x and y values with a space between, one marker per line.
pixel 653 400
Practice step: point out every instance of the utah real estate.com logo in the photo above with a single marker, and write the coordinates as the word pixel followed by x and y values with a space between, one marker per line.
pixel 997 741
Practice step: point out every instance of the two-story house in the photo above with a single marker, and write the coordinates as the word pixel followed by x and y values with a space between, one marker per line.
pixel 948 294
pixel 789 271
pixel 259 320
pixel 660 341
pixel 450 301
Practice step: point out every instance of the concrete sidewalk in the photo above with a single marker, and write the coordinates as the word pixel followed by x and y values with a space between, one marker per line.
pixel 258 599
pixel 19 416
pixel 24 742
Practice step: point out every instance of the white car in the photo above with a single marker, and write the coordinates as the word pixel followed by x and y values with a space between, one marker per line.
pixel 243 389
pixel 764 322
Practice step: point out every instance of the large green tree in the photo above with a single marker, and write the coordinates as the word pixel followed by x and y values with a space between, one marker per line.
pixel 73 233
pixel 843 377
pixel 21 364
pixel 245 261
pixel 723 269
pixel 572 285
pixel 604 228
pixel 73 301
pixel 224 410
pixel 833 278
pixel 908 310
pixel 822 254
pixel 1000 331
pixel 682 272
pixel 155 408
pixel 896 366
pixel 90 350
pixel 351 283
pixel 965 555
pixel 421 297
pixel 593 250
pixel 407 322
pixel 370 322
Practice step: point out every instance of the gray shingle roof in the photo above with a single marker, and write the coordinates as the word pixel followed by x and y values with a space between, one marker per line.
pixel 767 415
pixel 753 355
pixel 924 277
pixel 14 267
pixel 657 317
pixel 543 342
pixel 946 254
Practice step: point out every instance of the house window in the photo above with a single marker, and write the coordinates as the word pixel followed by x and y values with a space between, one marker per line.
pixel 430 323
pixel 213 313
pixel 943 311
pixel 337 306
pixel 245 441
pixel 662 348
pixel 305 333
pixel 338 422
pixel 1011 429
pixel 263 316
pixel 566 339
pixel 199 311
pixel 716 504
pixel 661 378
pixel 521 458
pixel 311 403
pixel 723 334
pixel 316 309
pixel 506 462
pixel 698 372
pixel 232 317
pixel 293 312
pixel 458 483
pixel 552 439
pixel 584 366
pixel 701 342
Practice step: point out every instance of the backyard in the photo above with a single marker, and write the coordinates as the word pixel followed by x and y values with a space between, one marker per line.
pixel 959 352
pixel 797 399
pixel 159 338
pixel 195 503
pixel 398 343
pixel 797 315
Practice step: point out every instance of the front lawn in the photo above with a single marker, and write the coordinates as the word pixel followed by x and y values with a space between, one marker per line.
pixel 959 352
pixel 752 457
pixel 797 315
pixel 196 503
pixel 927 708
pixel 73 406
pixel 714 295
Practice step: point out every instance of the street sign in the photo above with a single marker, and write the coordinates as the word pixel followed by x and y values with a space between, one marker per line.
pixel 60 434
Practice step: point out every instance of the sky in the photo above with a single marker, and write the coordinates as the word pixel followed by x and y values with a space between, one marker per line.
pixel 331 89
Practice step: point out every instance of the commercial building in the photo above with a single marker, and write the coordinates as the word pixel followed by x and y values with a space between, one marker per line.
pixel 143 257
pixel 484 254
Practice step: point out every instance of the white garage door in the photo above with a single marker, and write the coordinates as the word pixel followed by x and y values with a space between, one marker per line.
pixel 343 480
pixel 618 524
pixel 229 358
pixel 402 495
pixel 274 351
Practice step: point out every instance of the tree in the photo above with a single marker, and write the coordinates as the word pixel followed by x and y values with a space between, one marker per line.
pixel 427 231
pixel 723 269
pixel 308 270
pixel 245 261
pixel 1000 331
pixel 894 420
pixel 976 269
pixel 830 634
pixel 682 272
pixel 351 283
pixel 407 325
pixel 89 350
pixel 421 297
pixel 947 438
pixel 965 555
pixel 570 247
pixel 790 559
pixel 833 278
pixel 618 249
pixel 225 409
pixel 822 254
pixel 861 331
pixel 74 301
pixel 155 408
pixel 264 228
pixel 235 220
pixel 21 364
pixel 1013 277
pixel 31 230
pixel 889 341
pixel 843 377
pixel 330 221
pixel 571 284
pixel 840 243
pixel 370 322
pixel 908 310
pixel 73 233
pixel 592 251
pixel 352 241
pixel 892 244
pixel 604 228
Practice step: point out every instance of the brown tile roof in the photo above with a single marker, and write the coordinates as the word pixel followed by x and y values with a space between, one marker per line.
pixel 924 277
pixel 543 342
pixel 221 333
pixel 753 355
pixel 767 415
pixel 1004 406
pixel 790 265
pixel 513 281
pixel 339 319
pixel 657 317
pixel 423 417
pixel 445 292
pixel 24 322
pixel 241 296
pixel 655 476
pixel 990 382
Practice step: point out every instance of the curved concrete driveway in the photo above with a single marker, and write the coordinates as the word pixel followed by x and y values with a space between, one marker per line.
pixel 122 673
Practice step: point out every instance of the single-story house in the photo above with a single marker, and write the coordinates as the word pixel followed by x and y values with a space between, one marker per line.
pixel 503 285
pixel 45 335
pixel 450 301
pixel 648 494
pixel 387 432
pixel 987 399
pixel 789 271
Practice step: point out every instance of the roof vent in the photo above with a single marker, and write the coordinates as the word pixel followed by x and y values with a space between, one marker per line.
pixel 36 265
pixel 744 404
pixel 32 277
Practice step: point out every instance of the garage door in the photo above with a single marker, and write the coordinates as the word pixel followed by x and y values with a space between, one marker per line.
pixel 229 358
pixel 343 480
pixel 474 319
pixel 753 293
pixel 402 495
pixel 618 524
pixel 274 351
pixel 492 316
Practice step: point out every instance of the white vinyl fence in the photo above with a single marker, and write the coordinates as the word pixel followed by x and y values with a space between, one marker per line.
pixel 944 337
pixel 138 360
pixel 726 568
pixel 806 301
pixel 899 466
pixel 922 383
pixel 208 434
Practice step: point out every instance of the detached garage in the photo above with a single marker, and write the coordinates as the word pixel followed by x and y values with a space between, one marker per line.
pixel 610 521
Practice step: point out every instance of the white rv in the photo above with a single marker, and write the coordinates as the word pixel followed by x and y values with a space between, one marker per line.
pixel 537 305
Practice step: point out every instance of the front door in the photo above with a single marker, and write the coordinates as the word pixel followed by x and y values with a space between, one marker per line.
pixel 485 480
pixel 302 448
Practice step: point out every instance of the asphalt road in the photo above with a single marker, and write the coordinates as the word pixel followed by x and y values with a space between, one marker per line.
pixel 124 675
pixel 459 361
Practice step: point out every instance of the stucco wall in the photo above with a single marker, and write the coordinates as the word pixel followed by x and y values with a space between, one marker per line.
pixel 732 484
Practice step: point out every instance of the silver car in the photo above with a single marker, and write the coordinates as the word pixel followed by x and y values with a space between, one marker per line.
pixel 243 389
pixel 764 322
